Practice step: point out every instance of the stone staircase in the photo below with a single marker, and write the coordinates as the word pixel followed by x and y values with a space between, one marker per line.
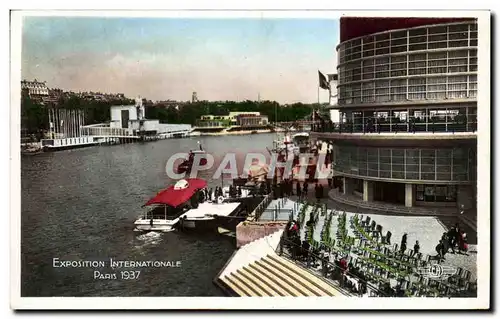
pixel 255 270
pixel 274 276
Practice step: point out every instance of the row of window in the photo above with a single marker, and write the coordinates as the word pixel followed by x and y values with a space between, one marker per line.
pixel 396 66
pixel 417 164
pixel 414 32
pixel 404 41
pixel 414 115
pixel 388 156
pixel 430 88
pixel 410 82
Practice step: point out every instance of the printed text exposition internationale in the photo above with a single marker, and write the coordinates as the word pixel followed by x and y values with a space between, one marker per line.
pixel 57 263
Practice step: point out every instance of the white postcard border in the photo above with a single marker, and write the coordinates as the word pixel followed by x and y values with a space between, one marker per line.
pixel 483 187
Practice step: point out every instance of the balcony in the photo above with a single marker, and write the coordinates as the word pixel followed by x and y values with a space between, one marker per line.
pixel 424 126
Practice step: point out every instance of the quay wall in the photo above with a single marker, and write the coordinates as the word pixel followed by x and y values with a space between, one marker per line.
pixel 247 232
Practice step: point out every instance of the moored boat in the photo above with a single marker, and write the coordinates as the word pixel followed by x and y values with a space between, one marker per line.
pixel 187 205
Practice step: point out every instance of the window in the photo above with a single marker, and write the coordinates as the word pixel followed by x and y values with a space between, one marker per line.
pixel 397 49
pixel 368 62
pixel 457 69
pixel 398 73
pixel 418 39
pixel 438 30
pixel 458 28
pixel 398 34
pixel 400 41
pixel 437 55
pixel 438 38
pixel 437 45
pixel 398 66
pixel 398 59
pixel 457 61
pixel 418 47
pixel 457 54
pixel 437 63
pixel 382 37
pixel 458 36
pixel 380 75
pixel 419 64
pixel 436 193
pixel 417 71
pixel 400 83
pixel 380 61
pixel 437 70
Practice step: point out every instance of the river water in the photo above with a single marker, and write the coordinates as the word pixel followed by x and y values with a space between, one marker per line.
pixel 81 205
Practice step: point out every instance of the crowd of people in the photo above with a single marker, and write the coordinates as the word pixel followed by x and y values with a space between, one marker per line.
pixel 286 188
pixel 210 194
pixel 455 239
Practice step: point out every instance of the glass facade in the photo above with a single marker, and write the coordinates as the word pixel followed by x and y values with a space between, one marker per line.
pixel 419 164
pixel 424 63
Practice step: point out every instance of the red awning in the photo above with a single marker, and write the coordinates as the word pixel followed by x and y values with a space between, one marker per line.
pixel 179 193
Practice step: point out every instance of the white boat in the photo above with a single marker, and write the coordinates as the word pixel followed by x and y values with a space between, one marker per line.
pixel 300 139
pixel 178 207
pixel 293 145
pixel 187 164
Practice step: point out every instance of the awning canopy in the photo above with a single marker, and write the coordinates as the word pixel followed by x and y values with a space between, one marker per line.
pixel 179 193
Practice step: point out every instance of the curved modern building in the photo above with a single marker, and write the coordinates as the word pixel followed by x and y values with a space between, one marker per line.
pixel 408 111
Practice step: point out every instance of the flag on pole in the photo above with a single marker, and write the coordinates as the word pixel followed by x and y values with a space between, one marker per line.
pixel 323 82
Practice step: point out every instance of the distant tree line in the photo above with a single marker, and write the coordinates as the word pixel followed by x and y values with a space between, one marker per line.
pixel 190 112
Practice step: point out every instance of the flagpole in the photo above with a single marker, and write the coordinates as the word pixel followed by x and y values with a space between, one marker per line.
pixel 314 113
pixel 318 95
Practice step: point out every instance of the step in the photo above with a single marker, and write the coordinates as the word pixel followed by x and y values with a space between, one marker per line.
pixel 312 279
pixel 264 289
pixel 244 285
pixel 267 281
pixel 297 286
pixel 297 277
pixel 275 281
pixel 226 280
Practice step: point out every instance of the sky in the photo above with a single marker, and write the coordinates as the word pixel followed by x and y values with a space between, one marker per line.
pixel 169 58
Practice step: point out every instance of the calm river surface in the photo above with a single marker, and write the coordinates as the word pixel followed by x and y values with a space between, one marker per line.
pixel 81 205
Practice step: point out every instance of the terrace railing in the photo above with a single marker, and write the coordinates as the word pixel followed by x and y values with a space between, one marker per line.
pixel 257 212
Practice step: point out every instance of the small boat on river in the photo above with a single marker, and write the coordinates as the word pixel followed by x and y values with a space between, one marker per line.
pixel 187 164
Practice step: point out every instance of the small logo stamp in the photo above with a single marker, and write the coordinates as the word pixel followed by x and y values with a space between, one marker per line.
pixel 437 271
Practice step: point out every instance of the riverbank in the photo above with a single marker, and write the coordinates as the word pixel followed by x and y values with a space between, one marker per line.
pixel 226 133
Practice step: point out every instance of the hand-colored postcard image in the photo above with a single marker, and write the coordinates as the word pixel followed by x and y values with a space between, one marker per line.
pixel 333 156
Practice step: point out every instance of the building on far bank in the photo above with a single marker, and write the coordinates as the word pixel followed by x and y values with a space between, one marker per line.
pixel 35 89
pixel 234 121
pixel 130 120
pixel 407 108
